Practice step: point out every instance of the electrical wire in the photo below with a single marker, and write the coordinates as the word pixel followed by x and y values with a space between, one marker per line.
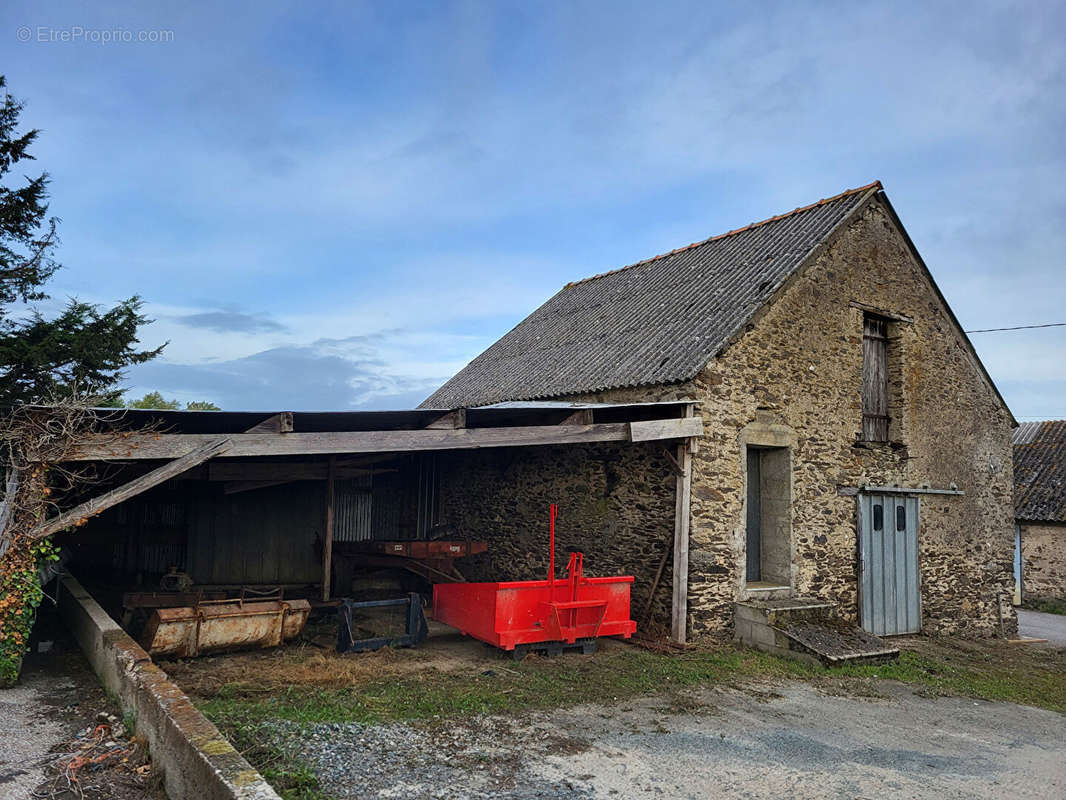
pixel 1021 327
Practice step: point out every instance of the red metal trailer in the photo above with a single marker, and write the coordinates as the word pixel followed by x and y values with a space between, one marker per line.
pixel 553 611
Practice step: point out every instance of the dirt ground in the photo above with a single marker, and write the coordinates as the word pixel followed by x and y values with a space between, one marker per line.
pixel 1039 625
pixel 773 740
pixel 51 715
pixel 752 731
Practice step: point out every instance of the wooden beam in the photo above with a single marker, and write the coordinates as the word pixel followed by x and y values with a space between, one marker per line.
pixel 583 416
pixel 276 423
pixel 174 445
pixel 89 508
pixel 450 421
pixel 678 469
pixel 656 429
pixel 882 312
pixel 236 487
pixel 327 549
pixel 283 471
pixel 682 510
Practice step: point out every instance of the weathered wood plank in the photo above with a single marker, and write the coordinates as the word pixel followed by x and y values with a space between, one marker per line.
pixel 583 416
pixel 276 423
pixel 236 487
pixel 214 447
pixel 450 421
pixel 875 380
pixel 174 445
pixel 683 501
pixel 327 550
pixel 656 429
pixel 283 471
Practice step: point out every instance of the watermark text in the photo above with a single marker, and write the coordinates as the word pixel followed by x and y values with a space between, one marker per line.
pixel 79 34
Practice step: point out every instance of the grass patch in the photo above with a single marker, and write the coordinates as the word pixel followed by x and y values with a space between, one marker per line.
pixel 970 671
pixel 290 777
pixel 1048 606
pixel 531 684
pixel 1033 687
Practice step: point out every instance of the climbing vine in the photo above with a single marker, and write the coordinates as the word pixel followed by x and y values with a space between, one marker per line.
pixel 20 595
pixel 34 442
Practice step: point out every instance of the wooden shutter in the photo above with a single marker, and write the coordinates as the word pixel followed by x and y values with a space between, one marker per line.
pixel 874 379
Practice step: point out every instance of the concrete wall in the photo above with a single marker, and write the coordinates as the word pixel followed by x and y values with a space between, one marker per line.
pixel 197 761
pixel 616 504
pixel 794 379
pixel 1043 561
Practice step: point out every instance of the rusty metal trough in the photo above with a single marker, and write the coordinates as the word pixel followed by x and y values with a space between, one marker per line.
pixel 213 626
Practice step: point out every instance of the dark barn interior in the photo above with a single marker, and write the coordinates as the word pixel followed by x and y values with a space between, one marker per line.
pixel 375 505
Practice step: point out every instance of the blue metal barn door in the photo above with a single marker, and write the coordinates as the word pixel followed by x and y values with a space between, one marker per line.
pixel 889 590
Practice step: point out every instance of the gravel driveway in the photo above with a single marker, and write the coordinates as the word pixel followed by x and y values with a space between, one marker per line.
pixel 791 740
pixel 1037 625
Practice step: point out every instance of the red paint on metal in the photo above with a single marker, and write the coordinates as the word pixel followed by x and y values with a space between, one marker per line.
pixel 553 509
pixel 506 614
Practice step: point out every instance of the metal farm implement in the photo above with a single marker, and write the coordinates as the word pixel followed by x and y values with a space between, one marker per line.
pixel 550 614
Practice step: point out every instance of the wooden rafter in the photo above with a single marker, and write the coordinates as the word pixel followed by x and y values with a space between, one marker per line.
pixel 135 487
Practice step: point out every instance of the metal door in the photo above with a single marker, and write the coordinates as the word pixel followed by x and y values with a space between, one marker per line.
pixel 889 591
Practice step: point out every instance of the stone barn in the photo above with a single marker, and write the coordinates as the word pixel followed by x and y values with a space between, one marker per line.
pixel 855 449
pixel 1040 509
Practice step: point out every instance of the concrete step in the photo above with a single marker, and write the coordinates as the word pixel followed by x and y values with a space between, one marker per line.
pixel 837 642
pixel 767 591
pixel 772 612
pixel 807 629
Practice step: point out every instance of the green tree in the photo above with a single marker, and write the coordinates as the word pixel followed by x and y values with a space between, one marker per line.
pixel 84 348
pixel 201 405
pixel 156 400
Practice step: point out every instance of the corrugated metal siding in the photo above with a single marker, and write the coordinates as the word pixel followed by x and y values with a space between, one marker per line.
pixel 428 494
pixel 658 321
pixel 353 510
pixel 1040 471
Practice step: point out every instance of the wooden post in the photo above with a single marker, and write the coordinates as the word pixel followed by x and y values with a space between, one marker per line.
pixel 683 498
pixel 327 550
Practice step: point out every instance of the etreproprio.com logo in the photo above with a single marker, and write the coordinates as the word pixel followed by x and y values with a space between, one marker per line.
pixel 75 34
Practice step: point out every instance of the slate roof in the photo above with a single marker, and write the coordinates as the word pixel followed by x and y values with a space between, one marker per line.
pixel 657 321
pixel 1040 471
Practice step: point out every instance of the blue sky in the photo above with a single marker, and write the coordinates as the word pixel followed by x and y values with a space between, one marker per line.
pixel 336 205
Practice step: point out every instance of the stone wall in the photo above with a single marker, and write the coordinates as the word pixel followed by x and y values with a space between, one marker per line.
pixel 1043 561
pixel 795 377
pixel 616 504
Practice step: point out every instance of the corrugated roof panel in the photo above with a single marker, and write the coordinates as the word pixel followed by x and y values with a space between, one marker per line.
pixel 657 321
pixel 1040 471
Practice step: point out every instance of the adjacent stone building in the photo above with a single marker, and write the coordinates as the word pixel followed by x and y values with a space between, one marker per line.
pixel 855 448
pixel 1040 509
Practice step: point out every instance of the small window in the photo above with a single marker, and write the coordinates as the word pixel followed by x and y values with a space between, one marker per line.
pixel 901 518
pixel 874 379
pixel 879 517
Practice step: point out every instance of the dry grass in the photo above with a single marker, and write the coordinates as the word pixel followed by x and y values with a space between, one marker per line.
pixel 300 665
